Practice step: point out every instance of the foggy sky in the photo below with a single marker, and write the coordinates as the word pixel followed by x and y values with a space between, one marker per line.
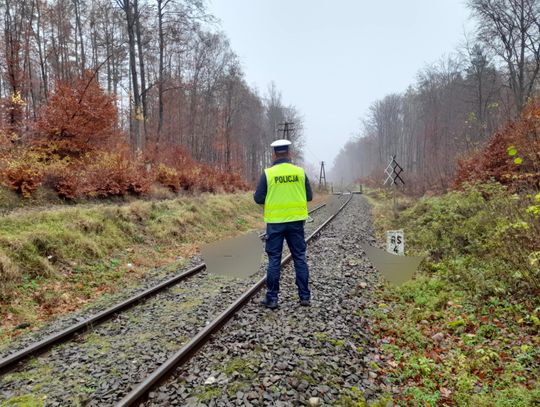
pixel 332 59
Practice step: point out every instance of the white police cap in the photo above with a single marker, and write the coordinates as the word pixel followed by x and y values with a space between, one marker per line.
pixel 280 145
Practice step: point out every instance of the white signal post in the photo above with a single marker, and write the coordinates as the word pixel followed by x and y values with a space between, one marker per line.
pixel 395 242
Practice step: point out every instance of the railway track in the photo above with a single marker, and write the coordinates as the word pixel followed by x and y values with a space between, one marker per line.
pixel 10 361
pixel 14 359
pixel 141 391
pixel 295 356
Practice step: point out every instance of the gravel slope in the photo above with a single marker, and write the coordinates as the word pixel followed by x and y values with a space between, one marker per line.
pixel 295 355
pixel 99 367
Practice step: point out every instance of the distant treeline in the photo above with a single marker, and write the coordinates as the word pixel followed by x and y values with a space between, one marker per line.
pixel 456 105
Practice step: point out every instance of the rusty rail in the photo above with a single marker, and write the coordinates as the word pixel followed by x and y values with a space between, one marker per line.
pixel 140 392
pixel 10 361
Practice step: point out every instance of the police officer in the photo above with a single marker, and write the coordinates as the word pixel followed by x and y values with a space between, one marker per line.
pixel 284 190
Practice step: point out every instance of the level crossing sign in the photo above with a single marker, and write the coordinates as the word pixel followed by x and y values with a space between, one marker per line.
pixel 393 172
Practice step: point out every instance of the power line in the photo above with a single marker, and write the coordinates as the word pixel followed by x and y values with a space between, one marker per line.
pixel 287 128
pixel 312 153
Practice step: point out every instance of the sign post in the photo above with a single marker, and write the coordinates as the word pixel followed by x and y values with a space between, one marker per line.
pixel 393 171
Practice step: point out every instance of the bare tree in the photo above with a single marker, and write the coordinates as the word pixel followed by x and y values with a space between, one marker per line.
pixel 161 7
pixel 429 126
pixel 79 40
pixel 130 14
pixel 512 29
pixel 175 77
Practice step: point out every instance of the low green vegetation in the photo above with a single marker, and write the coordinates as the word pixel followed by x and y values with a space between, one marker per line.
pixel 354 397
pixel 57 260
pixel 24 401
pixel 466 331
pixel 243 366
pixel 207 393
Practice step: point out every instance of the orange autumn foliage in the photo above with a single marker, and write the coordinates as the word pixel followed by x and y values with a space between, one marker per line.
pixel 21 176
pixel 495 162
pixel 80 152
pixel 79 117
pixel 101 174
pixel 179 172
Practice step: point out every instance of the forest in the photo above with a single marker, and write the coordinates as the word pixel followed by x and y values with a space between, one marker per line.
pixel 456 122
pixel 121 99
pixel 108 98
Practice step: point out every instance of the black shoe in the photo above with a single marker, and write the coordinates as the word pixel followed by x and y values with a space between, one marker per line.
pixel 305 303
pixel 269 304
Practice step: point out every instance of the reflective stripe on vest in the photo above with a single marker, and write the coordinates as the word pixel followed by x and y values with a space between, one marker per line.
pixel 286 194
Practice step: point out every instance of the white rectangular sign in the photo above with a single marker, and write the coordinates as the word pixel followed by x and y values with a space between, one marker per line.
pixel 395 242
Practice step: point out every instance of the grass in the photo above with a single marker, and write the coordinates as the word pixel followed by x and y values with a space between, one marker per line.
pixel 54 261
pixel 244 367
pixel 465 332
pixel 207 393
pixel 24 401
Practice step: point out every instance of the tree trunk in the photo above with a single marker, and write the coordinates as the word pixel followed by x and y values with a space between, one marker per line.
pixel 136 114
pixel 144 112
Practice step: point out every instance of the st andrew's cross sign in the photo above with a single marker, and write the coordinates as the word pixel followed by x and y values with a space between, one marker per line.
pixel 393 171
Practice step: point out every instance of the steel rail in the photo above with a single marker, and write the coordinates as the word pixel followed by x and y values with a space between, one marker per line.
pixel 11 360
pixel 140 392
pixel 316 208
pixel 61 336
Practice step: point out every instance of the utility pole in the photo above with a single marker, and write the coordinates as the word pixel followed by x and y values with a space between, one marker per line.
pixel 322 176
pixel 287 128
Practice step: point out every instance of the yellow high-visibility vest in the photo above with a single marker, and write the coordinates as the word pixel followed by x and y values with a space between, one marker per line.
pixel 286 194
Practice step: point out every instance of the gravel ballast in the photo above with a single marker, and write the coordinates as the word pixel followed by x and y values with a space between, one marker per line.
pixel 101 366
pixel 293 356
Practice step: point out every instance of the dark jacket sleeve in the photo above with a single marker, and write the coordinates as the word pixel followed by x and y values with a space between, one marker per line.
pixel 260 193
pixel 309 193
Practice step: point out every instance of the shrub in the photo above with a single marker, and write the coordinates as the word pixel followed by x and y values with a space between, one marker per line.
pixel 482 237
pixel 168 177
pixel 511 157
pixel 79 117
pixel 22 171
pixel 114 174
pixel 23 178
pixel 102 174
pixel 179 172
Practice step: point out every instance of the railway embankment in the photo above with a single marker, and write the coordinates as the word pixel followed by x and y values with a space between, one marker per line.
pixel 100 366
pixel 66 258
pixel 466 330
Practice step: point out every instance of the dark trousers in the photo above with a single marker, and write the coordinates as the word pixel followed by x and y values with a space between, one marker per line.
pixel 293 233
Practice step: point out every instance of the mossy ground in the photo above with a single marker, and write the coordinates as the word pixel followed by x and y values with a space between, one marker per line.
pixel 470 292
pixel 24 401
pixel 54 261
